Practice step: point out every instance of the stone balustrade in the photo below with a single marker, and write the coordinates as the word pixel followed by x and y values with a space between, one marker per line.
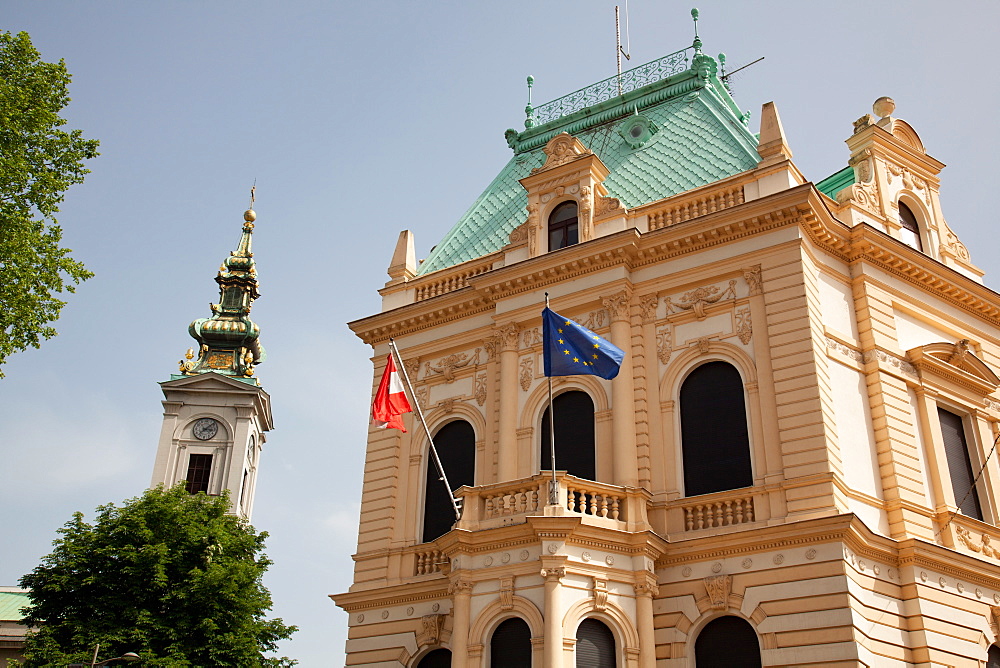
pixel 429 561
pixel 452 280
pixel 721 509
pixel 699 203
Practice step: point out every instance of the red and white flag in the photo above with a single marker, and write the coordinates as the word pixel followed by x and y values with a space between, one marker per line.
pixel 390 400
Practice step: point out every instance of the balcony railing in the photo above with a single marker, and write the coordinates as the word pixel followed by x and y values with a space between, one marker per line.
pixel 508 503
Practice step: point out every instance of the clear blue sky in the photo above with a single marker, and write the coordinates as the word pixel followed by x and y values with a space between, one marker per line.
pixel 358 120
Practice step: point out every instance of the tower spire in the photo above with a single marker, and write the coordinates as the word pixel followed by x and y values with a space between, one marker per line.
pixel 228 340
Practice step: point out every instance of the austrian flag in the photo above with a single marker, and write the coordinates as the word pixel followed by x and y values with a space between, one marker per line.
pixel 390 400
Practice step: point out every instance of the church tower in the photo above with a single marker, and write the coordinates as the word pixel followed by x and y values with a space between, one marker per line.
pixel 215 413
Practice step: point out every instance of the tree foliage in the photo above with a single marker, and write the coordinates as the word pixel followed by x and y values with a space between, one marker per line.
pixel 39 161
pixel 169 575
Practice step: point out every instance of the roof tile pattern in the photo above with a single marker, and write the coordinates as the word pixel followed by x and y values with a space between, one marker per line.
pixel 698 141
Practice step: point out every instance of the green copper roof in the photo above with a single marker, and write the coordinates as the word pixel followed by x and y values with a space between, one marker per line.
pixel 11 603
pixel 836 182
pixel 700 137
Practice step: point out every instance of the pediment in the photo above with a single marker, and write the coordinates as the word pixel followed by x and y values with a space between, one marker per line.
pixel 208 382
pixel 562 149
pixel 955 362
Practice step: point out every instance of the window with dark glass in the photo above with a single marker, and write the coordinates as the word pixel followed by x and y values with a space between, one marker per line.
pixel 956 451
pixel 714 439
pixel 574 421
pixel 727 642
pixel 993 657
pixel 456 446
pixel 563 229
pixel 510 644
pixel 439 658
pixel 199 470
pixel 595 645
pixel 910 230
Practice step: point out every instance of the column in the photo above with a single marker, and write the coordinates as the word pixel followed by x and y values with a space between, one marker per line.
pixel 506 339
pixel 626 463
pixel 644 592
pixel 553 617
pixel 461 590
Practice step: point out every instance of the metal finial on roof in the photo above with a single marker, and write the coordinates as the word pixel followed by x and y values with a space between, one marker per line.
pixel 529 120
pixel 697 40
pixel 722 68
pixel 250 215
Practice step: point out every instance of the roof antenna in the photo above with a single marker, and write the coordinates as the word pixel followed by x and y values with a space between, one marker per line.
pixel 618 39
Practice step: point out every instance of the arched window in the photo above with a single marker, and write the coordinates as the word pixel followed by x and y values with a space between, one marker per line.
pixel 595 645
pixel 575 452
pixel 510 644
pixel 563 229
pixel 714 440
pixel 909 231
pixel 456 446
pixel 439 658
pixel 727 642
pixel 993 657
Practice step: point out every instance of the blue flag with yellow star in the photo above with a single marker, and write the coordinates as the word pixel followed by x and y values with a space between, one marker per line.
pixel 573 350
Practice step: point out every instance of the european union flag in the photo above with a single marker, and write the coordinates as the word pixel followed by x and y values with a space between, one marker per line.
pixel 573 350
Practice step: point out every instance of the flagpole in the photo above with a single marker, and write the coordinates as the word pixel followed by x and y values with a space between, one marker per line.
pixel 554 485
pixel 420 416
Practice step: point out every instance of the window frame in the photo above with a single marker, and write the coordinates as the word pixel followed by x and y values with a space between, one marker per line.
pixel 428 466
pixel 574 222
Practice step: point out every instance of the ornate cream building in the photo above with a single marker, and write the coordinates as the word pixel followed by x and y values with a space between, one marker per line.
pixel 795 465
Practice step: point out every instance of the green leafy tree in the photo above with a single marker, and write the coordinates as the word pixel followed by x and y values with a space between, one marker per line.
pixel 39 161
pixel 169 575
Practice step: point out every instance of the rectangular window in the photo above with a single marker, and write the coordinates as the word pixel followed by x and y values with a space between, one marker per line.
pixel 199 469
pixel 959 466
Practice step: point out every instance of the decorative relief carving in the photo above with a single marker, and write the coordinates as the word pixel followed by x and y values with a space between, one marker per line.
pixel 956 247
pixel 421 394
pixel 527 373
pixel 608 205
pixel 696 300
pixel 460 587
pixel 507 336
pixel 647 307
pixel 507 592
pixel 663 344
pixel 617 305
pixel 480 389
pixel 957 358
pixel 984 546
pixel 412 366
pixel 447 405
pixel 862 165
pixel 448 365
pixel 646 588
pixel 744 327
pixel 864 122
pixel 532 336
pixel 559 191
pixel 846 351
pixel 430 630
pixel 600 594
pixel 703 344
pixel 903 366
pixel 991 404
pixel 553 573
pixel 718 588
pixel 754 281
pixel 519 234
pixel 561 149
pixel 595 320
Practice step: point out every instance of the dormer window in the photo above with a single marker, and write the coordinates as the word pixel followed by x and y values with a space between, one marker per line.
pixel 563 228
pixel 909 231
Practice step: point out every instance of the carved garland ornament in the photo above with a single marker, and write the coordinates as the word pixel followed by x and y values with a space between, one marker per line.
pixel 744 327
pixel 698 299
pixel 647 306
pixel 527 373
pixel 718 588
pixel 984 546
pixel 480 390
pixel 448 365
pixel 663 344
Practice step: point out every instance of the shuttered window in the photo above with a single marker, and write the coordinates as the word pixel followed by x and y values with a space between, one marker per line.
pixel 199 471
pixel 714 440
pixel 727 642
pixel 959 467
pixel 575 452
pixel 595 645
pixel 439 658
pixel 456 446
pixel 910 230
pixel 510 645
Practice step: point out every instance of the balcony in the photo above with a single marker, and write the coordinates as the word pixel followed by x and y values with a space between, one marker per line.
pixel 596 503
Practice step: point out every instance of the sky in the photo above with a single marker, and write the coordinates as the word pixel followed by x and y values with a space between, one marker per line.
pixel 358 120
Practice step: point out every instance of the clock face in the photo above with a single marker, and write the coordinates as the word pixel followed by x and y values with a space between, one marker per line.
pixel 205 428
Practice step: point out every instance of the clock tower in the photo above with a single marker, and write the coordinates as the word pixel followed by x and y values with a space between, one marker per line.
pixel 215 413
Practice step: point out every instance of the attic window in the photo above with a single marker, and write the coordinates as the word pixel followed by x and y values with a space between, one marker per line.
pixel 563 230
pixel 909 231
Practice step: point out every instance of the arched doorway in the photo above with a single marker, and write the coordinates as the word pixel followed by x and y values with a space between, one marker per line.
pixel 727 642
pixel 575 444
